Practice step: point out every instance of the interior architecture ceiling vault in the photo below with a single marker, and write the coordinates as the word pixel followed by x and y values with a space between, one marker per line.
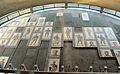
pixel 7 6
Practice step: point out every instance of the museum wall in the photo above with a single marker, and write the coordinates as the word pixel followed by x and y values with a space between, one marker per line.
pixel 8 6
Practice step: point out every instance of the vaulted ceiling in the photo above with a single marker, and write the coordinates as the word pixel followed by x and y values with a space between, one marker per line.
pixel 7 6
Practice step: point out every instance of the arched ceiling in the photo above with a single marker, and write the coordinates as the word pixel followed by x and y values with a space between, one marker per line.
pixel 7 6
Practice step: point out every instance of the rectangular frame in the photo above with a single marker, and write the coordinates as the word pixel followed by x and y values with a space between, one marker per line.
pixel 110 33
pixel 23 21
pixel 41 21
pixel 36 40
pixel 9 32
pixel 89 33
pixel 68 34
pixel 78 40
pixel 54 62
pixel 106 53
pixel 57 40
pixel 102 41
pixel 55 53
pixel 27 33
pixel 4 59
pixel 47 33
pixel 117 55
pixel 14 41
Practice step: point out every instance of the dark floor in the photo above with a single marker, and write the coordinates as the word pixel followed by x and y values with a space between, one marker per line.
pixel 70 57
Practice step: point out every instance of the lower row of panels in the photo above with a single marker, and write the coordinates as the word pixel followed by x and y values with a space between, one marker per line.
pixel 54 58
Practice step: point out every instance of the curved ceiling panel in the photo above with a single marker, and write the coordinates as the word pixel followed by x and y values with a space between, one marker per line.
pixel 7 6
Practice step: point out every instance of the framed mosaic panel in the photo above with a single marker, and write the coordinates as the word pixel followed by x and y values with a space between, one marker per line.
pixel 49 24
pixel 14 41
pixel 24 22
pixel 4 60
pixel 27 33
pixel 9 32
pixel 3 42
pixel 14 24
pixel 57 40
pixel 41 21
pixel 78 40
pixel 89 33
pixel 106 53
pixel 31 24
pixel 117 55
pixel 98 30
pixel 110 34
pixel 54 64
pixel 55 53
pixel 47 33
pixel 91 43
pixel 114 44
pixel 68 34
pixel 102 41
pixel 38 30
pixel 3 29
pixel 35 40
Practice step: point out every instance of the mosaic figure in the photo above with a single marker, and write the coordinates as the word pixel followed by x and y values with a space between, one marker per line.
pixel 27 33
pixel 3 29
pixel 54 64
pixel 38 29
pixel 110 33
pixel 118 54
pixel 106 53
pixel 91 43
pixel 24 21
pixel 55 53
pixel 88 32
pixel 49 24
pixel 47 33
pixel 102 40
pixel 68 33
pixel 14 40
pixel 98 29
pixel 114 44
pixel 41 21
pixel 31 23
pixel 9 32
pixel 57 40
pixel 35 40
pixel 79 40
pixel 3 61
